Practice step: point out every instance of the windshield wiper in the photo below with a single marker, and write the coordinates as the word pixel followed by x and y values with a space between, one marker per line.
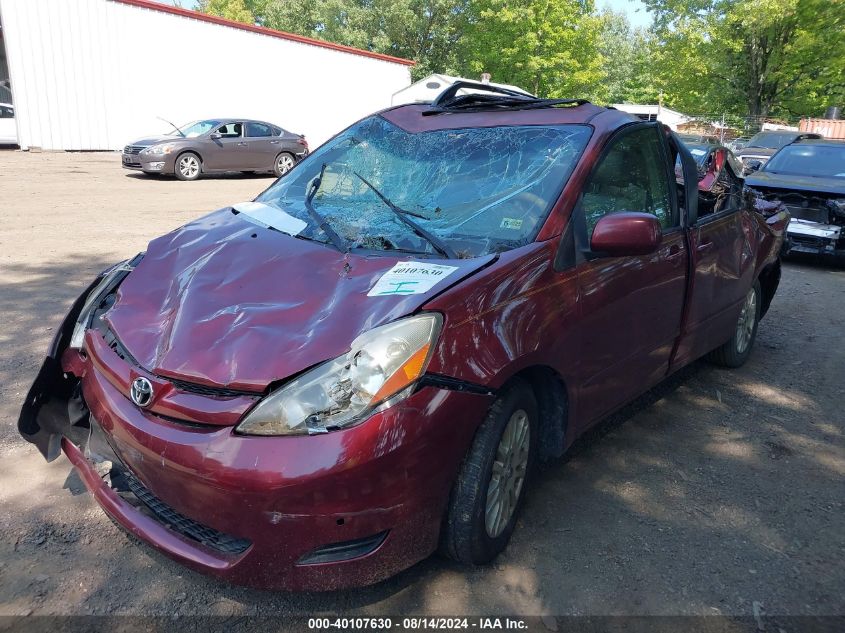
pixel 338 242
pixel 172 125
pixel 441 247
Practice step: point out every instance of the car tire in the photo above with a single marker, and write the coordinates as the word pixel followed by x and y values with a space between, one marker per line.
pixel 473 532
pixel 188 166
pixel 736 351
pixel 283 164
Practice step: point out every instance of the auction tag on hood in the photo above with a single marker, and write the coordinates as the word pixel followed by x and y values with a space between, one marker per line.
pixel 410 278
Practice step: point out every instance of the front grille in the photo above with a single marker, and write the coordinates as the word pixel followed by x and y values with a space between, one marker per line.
pixel 813 214
pixel 133 149
pixel 205 390
pixel 808 240
pixel 183 525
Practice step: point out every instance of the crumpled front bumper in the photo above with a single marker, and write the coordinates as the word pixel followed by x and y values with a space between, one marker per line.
pixel 291 502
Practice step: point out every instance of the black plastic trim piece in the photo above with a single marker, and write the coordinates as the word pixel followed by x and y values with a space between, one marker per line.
pixel 455 384
pixel 344 550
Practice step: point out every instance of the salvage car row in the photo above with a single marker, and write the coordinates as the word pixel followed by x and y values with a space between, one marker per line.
pixel 322 386
pixel 802 171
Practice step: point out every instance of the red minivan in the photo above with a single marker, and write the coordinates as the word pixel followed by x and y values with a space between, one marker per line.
pixel 320 387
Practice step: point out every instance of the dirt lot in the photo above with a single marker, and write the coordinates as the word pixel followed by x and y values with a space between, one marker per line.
pixel 724 489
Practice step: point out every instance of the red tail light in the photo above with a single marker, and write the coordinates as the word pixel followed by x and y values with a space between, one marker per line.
pixel 301 140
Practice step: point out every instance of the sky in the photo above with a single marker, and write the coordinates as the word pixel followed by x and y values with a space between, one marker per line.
pixel 634 9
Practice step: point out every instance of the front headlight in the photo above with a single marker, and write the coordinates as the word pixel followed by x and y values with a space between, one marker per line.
pixel 382 364
pixel 158 150
pixel 111 278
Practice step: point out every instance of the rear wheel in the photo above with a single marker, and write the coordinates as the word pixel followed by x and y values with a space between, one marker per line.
pixel 491 486
pixel 188 166
pixel 736 351
pixel 284 163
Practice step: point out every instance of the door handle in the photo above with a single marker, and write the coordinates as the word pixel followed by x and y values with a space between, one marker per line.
pixel 674 252
pixel 242 144
pixel 704 247
pixel 274 142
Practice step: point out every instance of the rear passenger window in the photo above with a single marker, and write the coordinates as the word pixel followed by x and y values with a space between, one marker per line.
pixel 258 129
pixel 632 176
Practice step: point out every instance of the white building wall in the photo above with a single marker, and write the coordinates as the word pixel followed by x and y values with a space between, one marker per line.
pixel 95 74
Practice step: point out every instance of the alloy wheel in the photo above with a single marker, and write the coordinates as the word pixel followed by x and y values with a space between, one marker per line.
pixel 747 321
pixel 189 166
pixel 508 476
pixel 284 163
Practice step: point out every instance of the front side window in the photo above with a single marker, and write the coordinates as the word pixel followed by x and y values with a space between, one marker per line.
pixel 258 130
pixel 480 190
pixel 631 177
pixel 230 130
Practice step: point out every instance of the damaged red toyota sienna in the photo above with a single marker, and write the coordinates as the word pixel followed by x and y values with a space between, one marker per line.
pixel 323 386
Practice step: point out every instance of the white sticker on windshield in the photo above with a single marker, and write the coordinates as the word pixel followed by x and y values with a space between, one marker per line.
pixel 410 278
pixel 270 217
pixel 697 152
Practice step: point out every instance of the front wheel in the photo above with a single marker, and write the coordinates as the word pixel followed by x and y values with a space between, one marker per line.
pixel 188 166
pixel 284 163
pixel 491 485
pixel 736 351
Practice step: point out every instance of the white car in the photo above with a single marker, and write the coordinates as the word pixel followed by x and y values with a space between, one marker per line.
pixel 8 129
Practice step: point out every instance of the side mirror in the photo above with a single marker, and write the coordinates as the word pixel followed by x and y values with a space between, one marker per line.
pixel 626 233
pixel 216 136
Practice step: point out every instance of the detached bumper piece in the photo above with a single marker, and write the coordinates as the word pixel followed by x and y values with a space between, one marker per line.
pixel 804 236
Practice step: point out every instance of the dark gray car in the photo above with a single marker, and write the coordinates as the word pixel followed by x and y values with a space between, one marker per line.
pixel 762 146
pixel 216 146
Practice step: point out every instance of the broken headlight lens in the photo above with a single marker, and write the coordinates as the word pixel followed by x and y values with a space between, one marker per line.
pixel 111 278
pixel 382 364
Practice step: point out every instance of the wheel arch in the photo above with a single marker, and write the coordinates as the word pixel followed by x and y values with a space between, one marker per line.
pixel 553 400
pixel 189 150
pixel 769 279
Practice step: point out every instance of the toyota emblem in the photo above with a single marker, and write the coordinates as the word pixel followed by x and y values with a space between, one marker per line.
pixel 141 392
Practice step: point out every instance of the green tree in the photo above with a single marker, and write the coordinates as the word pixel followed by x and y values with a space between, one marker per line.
pixel 236 10
pixel 755 57
pixel 549 47
pixel 426 31
pixel 628 56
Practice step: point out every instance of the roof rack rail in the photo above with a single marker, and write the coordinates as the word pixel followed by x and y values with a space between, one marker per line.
pixel 450 92
pixel 498 98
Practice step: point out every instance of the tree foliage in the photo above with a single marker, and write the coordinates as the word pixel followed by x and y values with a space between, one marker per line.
pixel 549 47
pixel 760 57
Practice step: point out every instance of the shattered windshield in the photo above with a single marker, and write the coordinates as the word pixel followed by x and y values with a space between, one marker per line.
pixel 473 190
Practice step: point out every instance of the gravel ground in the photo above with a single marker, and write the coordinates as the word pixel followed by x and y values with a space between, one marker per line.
pixel 719 490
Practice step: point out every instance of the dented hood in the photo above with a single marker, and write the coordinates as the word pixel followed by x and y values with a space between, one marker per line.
pixel 226 303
